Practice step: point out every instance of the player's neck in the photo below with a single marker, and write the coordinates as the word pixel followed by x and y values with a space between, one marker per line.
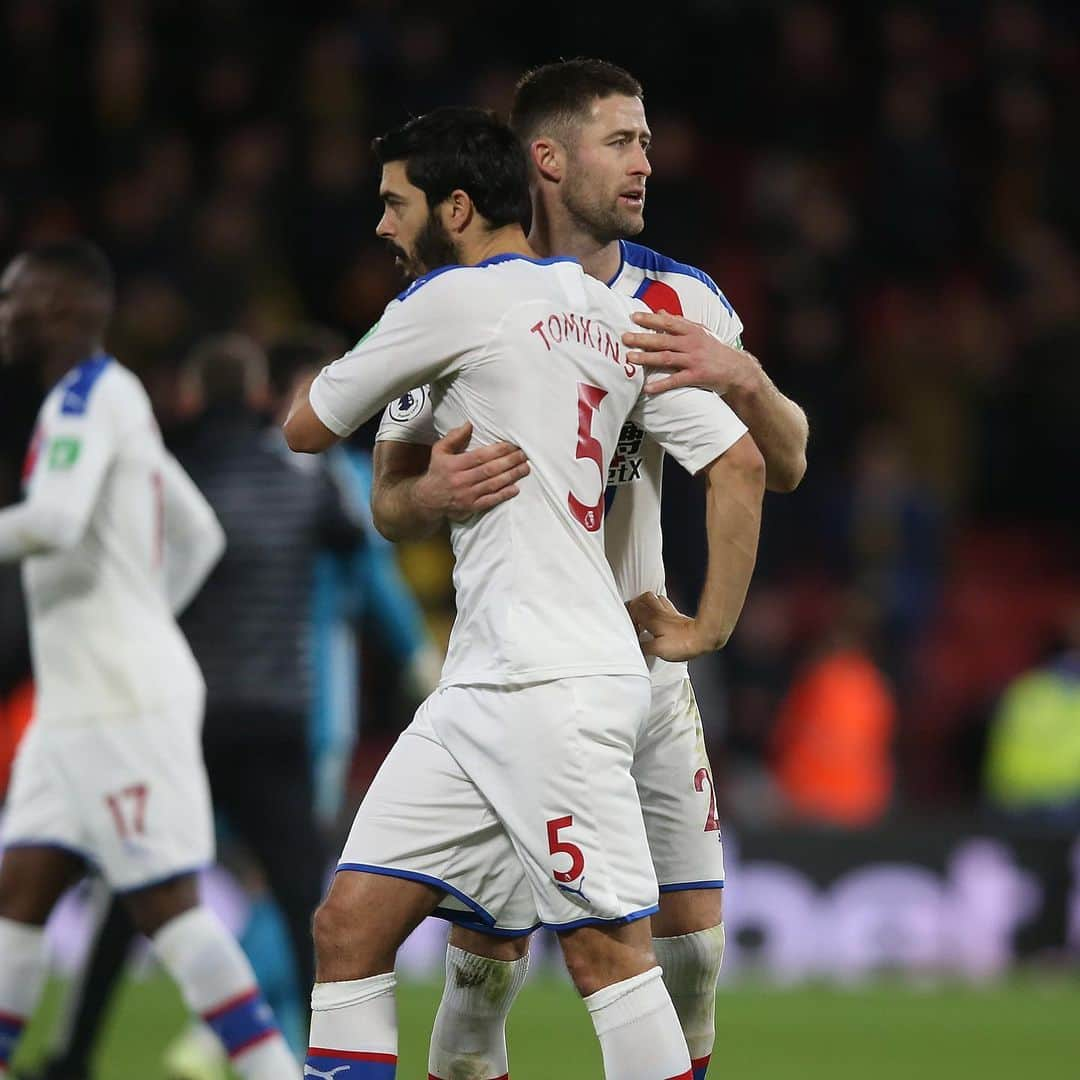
pixel 59 361
pixel 509 240
pixel 553 236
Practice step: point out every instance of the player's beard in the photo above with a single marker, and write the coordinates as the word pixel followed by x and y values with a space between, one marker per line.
pixel 433 248
pixel 601 216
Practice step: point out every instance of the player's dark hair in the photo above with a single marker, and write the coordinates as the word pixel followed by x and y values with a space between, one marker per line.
pixel 558 95
pixel 464 148
pixel 78 259
pixel 302 349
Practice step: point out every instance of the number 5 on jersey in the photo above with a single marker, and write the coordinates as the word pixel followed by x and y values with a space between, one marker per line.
pixel 565 847
pixel 588 447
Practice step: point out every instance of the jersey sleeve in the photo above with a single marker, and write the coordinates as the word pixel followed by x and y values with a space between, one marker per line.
pixel 194 538
pixel 420 337
pixel 77 448
pixel 694 426
pixel 723 320
pixel 409 419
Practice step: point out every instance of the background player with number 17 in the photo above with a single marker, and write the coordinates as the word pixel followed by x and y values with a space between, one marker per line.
pixel 115 540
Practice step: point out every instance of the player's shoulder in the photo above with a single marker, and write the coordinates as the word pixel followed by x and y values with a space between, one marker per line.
pixel 652 272
pixel 460 283
pixel 95 383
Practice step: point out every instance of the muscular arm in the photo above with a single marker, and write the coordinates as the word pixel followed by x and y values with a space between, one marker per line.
pixel 417 487
pixel 695 356
pixel 735 486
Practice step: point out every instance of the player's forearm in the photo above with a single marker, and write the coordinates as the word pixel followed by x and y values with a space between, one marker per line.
pixel 35 529
pixel 400 509
pixel 778 425
pixel 188 565
pixel 735 486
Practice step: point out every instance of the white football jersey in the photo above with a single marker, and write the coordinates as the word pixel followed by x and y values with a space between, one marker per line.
pixel 530 352
pixel 632 532
pixel 103 637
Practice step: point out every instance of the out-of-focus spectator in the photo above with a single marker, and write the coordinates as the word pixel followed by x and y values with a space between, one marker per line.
pixel 831 749
pixel 1032 765
pixel 885 537
pixel 354 589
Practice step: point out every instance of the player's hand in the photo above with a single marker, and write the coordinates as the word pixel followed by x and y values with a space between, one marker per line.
pixel 663 630
pixel 691 353
pixel 460 482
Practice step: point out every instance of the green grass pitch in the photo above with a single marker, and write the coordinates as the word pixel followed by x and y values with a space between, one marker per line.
pixel 1020 1030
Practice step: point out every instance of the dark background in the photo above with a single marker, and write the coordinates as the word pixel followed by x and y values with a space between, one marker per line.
pixel 889 194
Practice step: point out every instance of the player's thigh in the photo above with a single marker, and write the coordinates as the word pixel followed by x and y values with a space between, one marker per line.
pixel 675 785
pixel 152 906
pixel 423 819
pixel 140 786
pixel 32 879
pixel 687 911
pixel 553 760
pixel 364 920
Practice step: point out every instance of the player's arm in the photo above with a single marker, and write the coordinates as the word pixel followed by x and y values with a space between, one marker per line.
pixel 420 337
pixel 701 432
pixel 64 487
pixel 194 538
pixel 693 355
pixel 417 487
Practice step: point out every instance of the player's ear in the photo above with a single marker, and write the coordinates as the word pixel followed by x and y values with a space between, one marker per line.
pixel 548 157
pixel 457 211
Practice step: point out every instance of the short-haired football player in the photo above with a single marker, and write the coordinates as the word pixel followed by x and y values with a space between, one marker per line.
pixel 509 801
pixel 583 125
pixel 115 540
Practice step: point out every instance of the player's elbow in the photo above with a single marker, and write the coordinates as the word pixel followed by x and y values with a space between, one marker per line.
pixel 784 474
pixel 742 463
pixel 57 531
pixel 300 437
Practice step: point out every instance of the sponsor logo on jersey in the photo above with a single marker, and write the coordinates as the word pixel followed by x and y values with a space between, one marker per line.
pixel 626 462
pixel 408 405
pixel 64 452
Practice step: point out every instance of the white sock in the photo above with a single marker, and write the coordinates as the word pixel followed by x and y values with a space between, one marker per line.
pixel 22 972
pixel 638 1030
pixel 469 1037
pixel 691 966
pixel 217 983
pixel 354 1025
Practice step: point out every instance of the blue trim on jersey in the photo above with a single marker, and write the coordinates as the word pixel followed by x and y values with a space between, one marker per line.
pixel 469 922
pixel 79 382
pixel 508 255
pixel 686 886
pixel 493 261
pixel 652 261
pixel 644 913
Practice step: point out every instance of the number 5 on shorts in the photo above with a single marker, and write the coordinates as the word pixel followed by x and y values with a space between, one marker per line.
pixel 564 847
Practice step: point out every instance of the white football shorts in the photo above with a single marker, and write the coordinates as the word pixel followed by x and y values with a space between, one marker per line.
pixel 675 788
pixel 517 802
pixel 128 794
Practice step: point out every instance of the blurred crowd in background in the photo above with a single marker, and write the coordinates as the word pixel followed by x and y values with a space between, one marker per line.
pixel 887 193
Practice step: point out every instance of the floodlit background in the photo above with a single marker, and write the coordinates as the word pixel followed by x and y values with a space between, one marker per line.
pixel 889 195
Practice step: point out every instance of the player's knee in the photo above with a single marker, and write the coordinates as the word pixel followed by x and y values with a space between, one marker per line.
pixel 343 950
pixel 597 959
pixel 488 945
